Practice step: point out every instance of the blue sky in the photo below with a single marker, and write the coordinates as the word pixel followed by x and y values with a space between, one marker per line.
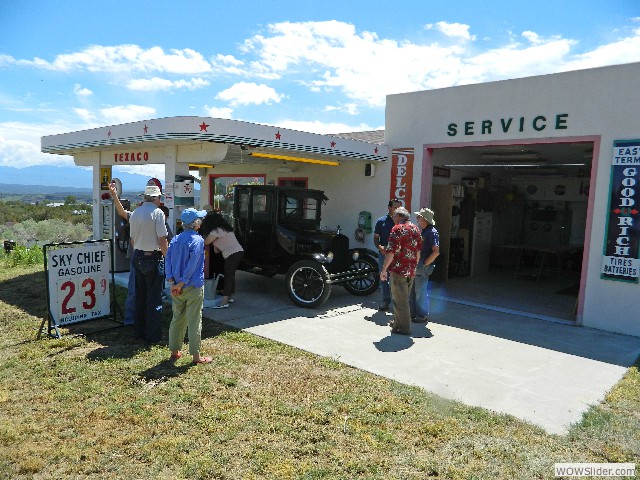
pixel 321 67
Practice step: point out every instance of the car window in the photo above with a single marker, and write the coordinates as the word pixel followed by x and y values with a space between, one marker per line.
pixel 310 208
pixel 243 205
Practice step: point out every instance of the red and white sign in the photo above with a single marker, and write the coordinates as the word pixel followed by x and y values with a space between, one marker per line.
pixel 402 175
pixel 79 282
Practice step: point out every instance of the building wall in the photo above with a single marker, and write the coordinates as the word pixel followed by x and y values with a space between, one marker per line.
pixel 600 103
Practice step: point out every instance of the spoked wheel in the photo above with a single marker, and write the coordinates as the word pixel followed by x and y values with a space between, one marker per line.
pixel 367 284
pixel 307 284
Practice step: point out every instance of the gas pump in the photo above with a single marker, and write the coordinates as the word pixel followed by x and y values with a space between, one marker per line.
pixel 116 228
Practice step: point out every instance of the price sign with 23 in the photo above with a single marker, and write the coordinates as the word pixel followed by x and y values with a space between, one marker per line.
pixel 79 287
pixel 80 298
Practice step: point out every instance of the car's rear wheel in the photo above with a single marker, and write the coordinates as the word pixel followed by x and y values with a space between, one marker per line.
pixel 307 284
pixel 367 284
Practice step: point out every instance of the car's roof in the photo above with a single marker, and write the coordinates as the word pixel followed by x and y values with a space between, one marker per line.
pixel 297 190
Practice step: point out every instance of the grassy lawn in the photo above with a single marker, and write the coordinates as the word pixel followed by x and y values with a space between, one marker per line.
pixel 104 406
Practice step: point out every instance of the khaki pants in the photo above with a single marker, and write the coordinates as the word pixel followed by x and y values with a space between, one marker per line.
pixel 400 290
pixel 187 311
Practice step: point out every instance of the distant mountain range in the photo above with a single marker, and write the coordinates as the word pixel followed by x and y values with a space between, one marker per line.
pixel 61 179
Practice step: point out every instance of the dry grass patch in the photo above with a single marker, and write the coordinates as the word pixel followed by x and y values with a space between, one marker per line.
pixel 104 406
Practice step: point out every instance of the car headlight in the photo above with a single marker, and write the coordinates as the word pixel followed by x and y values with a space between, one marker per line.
pixel 355 255
pixel 323 258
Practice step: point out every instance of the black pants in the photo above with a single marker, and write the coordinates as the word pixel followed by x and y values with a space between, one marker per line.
pixel 231 264
pixel 149 279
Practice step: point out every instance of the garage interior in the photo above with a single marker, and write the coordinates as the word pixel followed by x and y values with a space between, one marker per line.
pixel 512 223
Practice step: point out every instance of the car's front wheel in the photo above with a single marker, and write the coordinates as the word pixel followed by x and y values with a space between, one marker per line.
pixel 369 282
pixel 307 284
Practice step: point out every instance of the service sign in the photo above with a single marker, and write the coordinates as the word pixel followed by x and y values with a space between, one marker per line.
pixel 621 260
pixel 79 282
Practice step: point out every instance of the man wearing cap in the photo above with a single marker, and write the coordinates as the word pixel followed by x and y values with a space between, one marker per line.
pixel 185 274
pixel 419 299
pixel 149 237
pixel 400 263
pixel 380 239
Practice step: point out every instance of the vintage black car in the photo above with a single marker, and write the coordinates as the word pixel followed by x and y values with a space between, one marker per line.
pixel 279 228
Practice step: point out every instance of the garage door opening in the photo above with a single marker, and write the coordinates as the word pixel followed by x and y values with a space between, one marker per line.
pixel 513 220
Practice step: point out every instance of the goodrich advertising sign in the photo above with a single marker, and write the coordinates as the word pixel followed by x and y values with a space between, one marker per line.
pixel 622 242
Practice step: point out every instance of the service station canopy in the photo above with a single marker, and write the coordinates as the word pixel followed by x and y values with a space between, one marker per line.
pixel 203 142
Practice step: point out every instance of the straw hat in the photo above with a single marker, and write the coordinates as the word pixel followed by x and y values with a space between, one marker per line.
pixel 152 191
pixel 427 215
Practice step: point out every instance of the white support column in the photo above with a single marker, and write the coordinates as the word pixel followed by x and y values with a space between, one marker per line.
pixel 172 168
pixel 96 200
pixel 204 186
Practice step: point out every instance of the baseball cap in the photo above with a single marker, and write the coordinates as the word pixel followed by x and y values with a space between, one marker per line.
pixel 189 215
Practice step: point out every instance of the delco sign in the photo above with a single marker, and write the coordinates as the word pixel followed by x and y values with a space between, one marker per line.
pixel 622 241
pixel 402 175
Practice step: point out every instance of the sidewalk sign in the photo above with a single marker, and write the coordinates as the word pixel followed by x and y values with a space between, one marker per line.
pixel 78 285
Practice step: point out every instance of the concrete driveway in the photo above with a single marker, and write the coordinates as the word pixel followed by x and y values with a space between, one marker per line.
pixel 542 372
pixel 545 373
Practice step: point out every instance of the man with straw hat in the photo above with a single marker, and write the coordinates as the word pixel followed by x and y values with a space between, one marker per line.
pixel 149 236
pixel 419 298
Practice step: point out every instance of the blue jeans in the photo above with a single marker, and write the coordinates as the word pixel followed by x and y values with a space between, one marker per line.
pixel 149 279
pixel 384 286
pixel 419 298
pixel 130 303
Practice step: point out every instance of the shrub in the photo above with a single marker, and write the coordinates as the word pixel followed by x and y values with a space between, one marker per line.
pixel 46 231
pixel 22 255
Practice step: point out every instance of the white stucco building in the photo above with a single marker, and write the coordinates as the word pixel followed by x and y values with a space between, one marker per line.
pixel 528 176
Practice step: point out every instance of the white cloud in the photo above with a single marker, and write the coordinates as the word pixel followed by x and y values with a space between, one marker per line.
pixel 624 50
pixel 244 93
pixel 325 128
pixel 85 114
pixel 348 108
pixel 216 112
pixel 127 58
pixel 80 91
pixel 456 30
pixel 331 55
pixel 20 145
pixel 161 84
pixel 126 113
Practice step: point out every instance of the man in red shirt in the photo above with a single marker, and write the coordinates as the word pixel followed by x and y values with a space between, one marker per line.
pixel 401 259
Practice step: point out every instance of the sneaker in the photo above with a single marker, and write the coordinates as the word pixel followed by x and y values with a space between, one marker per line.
pixel 419 319
pixel 384 307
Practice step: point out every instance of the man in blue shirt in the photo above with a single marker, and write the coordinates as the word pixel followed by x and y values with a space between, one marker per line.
pixel 380 238
pixel 419 298
pixel 185 273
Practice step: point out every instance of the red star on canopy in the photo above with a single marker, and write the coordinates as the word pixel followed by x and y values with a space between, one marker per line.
pixel 375 150
pixel 109 134
pixel 203 127
pixel 145 129
pixel 278 135
pixel 333 144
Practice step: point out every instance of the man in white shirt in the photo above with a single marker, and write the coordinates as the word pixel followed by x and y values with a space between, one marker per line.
pixel 149 237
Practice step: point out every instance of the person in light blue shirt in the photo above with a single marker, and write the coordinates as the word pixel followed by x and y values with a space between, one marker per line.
pixel 184 269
